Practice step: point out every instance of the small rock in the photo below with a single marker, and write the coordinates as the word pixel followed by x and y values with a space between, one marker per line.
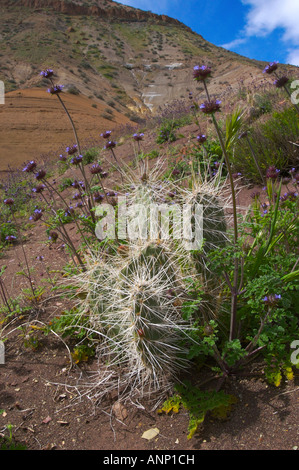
pixel 120 411
pixel 47 420
pixel 150 433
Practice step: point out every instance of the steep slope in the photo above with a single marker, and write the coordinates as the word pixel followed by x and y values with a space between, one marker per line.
pixel 133 59
pixel 33 125
pixel 123 60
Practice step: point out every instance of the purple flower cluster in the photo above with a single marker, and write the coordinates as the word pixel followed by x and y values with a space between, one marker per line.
pixel 106 134
pixel 78 184
pixel 272 172
pixel 110 145
pixel 280 82
pixel 95 169
pixel 201 73
pixel 40 174
pixel 30 166
pixel 77 160
pixel 69 212
pixel 270 68
pixel 53 235
pixel 55 89
pixel 9 201
pixel 11 238
pixel 72 150
pixel 39 188
pixel 210 107
pixel 37 214
pixel 272 299
pixel 138 137
pixel 98 197
pixel 201 138
pixel 47 73
pixel 291 195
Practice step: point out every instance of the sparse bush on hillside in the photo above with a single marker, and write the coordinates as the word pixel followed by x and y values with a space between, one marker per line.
pixel 273 142
pixel 73 90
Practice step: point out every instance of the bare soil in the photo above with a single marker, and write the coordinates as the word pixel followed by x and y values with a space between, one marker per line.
pixel 47 415
pixel 33 119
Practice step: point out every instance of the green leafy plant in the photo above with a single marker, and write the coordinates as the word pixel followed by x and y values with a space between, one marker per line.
pixel 167 132
pixel 8 442
pixel 198 403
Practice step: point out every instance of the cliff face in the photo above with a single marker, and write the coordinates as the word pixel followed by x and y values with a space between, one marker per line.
pixel 106 9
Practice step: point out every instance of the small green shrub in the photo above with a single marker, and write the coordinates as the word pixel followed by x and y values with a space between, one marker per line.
pixel 272 142
pixel 167 132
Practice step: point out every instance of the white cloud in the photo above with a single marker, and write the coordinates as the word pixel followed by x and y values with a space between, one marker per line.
pixel 234 43
pixel 266 16
pixel 293 57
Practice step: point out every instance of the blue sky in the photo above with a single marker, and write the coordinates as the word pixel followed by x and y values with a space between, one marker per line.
pixel 259 29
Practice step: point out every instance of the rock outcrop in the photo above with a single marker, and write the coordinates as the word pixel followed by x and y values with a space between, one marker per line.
pixel 106 9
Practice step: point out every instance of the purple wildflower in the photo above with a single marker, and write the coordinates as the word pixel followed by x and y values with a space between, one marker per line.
pixel 9 201
pixel 30 166
pixel 271 67
pixel 201 138
pixel 138 137
pixel 47 73
pixel 71 150
pixel 37 214
pixel 40 174
pixel 53 235
pixel 76 184
pixel 55 89
pixel 39 188
pixel 98 197
pixel 106 134
pixel 110 145
pixel 201 73
pixel 76 160
pixel 95 169
pixel 69 212
pixel 210 107
pixel 280 82
pixel 10 238
pixel 272 172
pixel 272 299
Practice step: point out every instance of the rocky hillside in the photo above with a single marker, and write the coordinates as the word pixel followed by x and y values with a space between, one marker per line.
pixel 106 9
pixel 124 61
pixel 131 59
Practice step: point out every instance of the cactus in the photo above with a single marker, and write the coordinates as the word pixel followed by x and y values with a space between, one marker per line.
pixel 214 198
pixel 134 296
pixel 134 303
